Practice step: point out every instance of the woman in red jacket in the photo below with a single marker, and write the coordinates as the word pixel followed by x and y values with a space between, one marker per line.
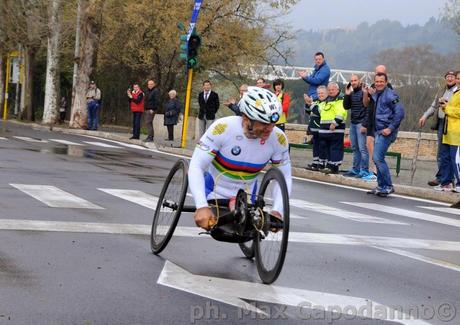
pixel 136 103
pixel 278 87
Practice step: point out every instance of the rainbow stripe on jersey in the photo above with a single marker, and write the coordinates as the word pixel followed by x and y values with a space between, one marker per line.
pixel 237 169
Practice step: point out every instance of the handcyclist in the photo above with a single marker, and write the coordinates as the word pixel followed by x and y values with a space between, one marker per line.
pixel 234 150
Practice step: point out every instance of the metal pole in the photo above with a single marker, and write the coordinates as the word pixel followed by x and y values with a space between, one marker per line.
pixel 187 107
pixel 7 81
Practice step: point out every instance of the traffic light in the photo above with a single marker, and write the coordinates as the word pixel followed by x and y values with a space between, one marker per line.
pixel 193 44
pixel 183 48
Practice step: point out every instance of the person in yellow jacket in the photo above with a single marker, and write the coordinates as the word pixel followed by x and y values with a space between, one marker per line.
pixel 450 148
pixel 332 130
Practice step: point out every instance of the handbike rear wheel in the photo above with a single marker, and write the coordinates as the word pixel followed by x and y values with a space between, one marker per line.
pixel 169 206
pixel 272 237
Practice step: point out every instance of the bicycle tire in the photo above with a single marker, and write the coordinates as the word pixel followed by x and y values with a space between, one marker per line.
pixel 158 241
pixel 248 249
pixel 269 273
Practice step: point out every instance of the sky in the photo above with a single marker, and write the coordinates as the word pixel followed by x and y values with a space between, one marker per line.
pixel 325 14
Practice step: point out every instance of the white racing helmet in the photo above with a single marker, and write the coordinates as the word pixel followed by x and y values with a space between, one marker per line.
pixel 261 105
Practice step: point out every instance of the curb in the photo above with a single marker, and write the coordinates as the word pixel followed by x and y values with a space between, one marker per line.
pixel 423 193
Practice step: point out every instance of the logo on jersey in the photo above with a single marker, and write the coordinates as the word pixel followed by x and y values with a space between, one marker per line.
pixel 219 129
pixel 281 139
pixel 239 137
pixel 203 146
pixel 236 150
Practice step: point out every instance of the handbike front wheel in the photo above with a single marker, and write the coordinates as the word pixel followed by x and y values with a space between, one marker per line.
pixel 248 249
pixel 272 236
pixel 169 206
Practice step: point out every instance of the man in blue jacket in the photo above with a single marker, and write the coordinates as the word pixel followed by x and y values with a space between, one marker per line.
pixel 388 116
pixel 319 76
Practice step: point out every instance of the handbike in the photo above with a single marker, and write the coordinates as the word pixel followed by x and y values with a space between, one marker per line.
pixel 250 224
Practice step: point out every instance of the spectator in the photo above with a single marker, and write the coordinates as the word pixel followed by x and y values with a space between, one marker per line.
pixel 152 103
pixel 450 154
pixel 285 100
pixel 136 103
pixel 172 110
pixel 209 105
pixel 62 109
pixel 353 101
pixel 438 124
pixel 262 83
pixel 313 108
pixel 369 124
pixel 388 116
pixel 332 129
pixel 319 76
pixel 93 98
pixel 233 104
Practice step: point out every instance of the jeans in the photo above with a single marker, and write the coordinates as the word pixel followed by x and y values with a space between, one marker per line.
pixel 382 143
pixel 93 107
pixel 438 156
pixel 450 160
pixel 137 124
pixel 359 147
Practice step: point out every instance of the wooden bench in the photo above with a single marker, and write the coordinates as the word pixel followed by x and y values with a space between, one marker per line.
pixel 397 155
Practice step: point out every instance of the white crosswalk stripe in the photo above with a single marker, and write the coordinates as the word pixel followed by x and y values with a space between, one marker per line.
pixel 407 213
pixel 2 138
pixel 30 139
pixel 101 144
pixel 70 143
pixel 55 197
pixel 341 213
pixel 138 197
pixel 443 209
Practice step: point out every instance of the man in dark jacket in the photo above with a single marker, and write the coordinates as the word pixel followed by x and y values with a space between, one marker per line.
pixel 388 116
pixel 209 105
pixel 152 103
pixel 319 77
pixel 353 101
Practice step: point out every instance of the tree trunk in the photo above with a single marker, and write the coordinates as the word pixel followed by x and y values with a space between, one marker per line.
pixel 76 51
pixel 89 40
pixel 27 110
pixel 52 65
pixel 2 84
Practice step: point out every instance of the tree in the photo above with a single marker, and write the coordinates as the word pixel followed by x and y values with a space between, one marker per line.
pixel 52 66
pixel 89 39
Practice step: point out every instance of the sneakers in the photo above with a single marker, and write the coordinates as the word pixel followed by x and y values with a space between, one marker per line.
pixel 445 188
pixel 148 139
pixel 370 177
pixel 312 167
pixel 351 173
pixel 386 191
pixel 362 174
pixel 375 191
pixel 434 182
pixel 456 189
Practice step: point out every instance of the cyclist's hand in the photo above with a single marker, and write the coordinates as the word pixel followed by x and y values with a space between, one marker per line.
pixel 276 214
pixel 204 218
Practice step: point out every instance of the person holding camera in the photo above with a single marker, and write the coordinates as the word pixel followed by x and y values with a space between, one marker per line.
pixel 353 101
pixel 172 110
pixel 136 104
pixel 450 153
pixel 438 125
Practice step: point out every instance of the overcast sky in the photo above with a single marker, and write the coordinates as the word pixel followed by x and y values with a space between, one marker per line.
pixel 321 14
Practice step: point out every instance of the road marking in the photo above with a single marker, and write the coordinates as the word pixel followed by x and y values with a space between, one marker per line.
pixel 421 258
pixel 134 146
pixel 359 217
pixel 407 213
pixel 138 197
pixel 443 209
pixel 101 144
pixel 30 139
pixel 70 143
pixel 294 237
pixel 2 138
pixel 234 292
pixel 55 197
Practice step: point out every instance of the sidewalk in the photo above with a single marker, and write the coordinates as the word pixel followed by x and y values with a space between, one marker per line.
pixel 424 172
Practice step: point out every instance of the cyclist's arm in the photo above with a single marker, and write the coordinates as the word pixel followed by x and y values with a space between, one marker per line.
pixel 199 164
pixel 282 160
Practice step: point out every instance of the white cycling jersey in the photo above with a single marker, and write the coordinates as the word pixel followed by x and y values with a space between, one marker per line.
pixel 225 160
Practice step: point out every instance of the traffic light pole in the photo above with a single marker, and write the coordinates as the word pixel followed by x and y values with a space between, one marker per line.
pixel 187 108
pixel 7 82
